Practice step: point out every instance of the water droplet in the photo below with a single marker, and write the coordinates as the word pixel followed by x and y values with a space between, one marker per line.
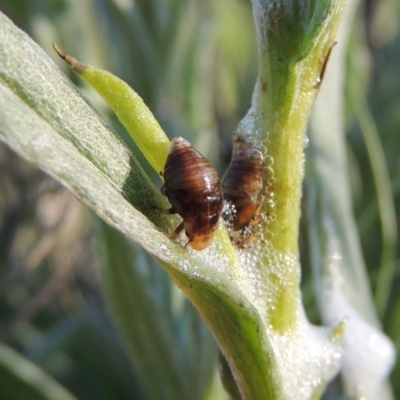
pixel 268 161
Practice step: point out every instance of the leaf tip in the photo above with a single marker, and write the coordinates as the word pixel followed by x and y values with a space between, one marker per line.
pixel 76 66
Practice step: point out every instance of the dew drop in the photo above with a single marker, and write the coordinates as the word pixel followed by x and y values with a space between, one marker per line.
pixel 268 161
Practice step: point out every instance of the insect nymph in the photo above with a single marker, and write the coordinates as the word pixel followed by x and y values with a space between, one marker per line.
pixel 243 184
pixel 194 190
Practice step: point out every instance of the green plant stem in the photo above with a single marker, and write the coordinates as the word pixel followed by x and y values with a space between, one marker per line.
pixel 292 58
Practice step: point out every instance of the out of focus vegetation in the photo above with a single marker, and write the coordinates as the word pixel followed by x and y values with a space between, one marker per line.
pixel 194 63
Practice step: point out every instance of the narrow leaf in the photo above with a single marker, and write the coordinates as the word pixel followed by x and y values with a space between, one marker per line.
pixel 142 316
pixel 338 266
pixel 44 120
pixel 129 108
pixel 20 379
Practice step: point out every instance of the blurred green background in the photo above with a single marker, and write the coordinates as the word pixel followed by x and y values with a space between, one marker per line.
pixel 194 63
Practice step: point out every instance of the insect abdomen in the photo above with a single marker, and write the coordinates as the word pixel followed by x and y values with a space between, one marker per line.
pixel 194 191
pixel 242 185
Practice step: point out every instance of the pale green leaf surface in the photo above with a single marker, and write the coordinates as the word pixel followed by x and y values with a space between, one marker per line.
pixel 140 309
pixel 44 120
pixel 272 354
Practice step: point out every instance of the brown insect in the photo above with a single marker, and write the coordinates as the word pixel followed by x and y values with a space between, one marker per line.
pixel 194 190
pixel 242 184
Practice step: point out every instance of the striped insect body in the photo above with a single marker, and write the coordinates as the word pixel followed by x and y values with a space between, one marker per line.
pixel 243 188
pixel 194 190
pixel 243 184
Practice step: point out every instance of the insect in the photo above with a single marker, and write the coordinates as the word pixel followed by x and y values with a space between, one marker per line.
pixel 194 190
pixel 242 184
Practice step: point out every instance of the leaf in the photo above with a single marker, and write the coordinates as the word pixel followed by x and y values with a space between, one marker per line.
pixel 43 119
pixel 42 115
pixel 338 266
pixel 249 299
pixel 21 380
pixel 142 310
pixel 129 108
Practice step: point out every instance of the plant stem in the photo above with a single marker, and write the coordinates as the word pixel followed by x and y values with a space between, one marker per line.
pixel 294 42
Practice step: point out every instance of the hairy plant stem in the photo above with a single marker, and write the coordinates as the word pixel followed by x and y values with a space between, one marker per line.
pixel 293 48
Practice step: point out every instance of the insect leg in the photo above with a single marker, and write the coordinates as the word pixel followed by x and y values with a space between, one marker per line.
pixel 167 211
pixel 257 214
pixel 177 231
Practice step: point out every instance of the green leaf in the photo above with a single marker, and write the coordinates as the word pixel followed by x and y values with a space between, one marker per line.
pixel 249 298
pixel 142 312
pixel 338 266
pixel 44 120
pixel 21 380
pixel 42 114
pixel 227 378
pixel 129 108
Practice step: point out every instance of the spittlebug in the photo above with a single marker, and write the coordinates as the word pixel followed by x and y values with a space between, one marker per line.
pixel 243 183
pixel 194 190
